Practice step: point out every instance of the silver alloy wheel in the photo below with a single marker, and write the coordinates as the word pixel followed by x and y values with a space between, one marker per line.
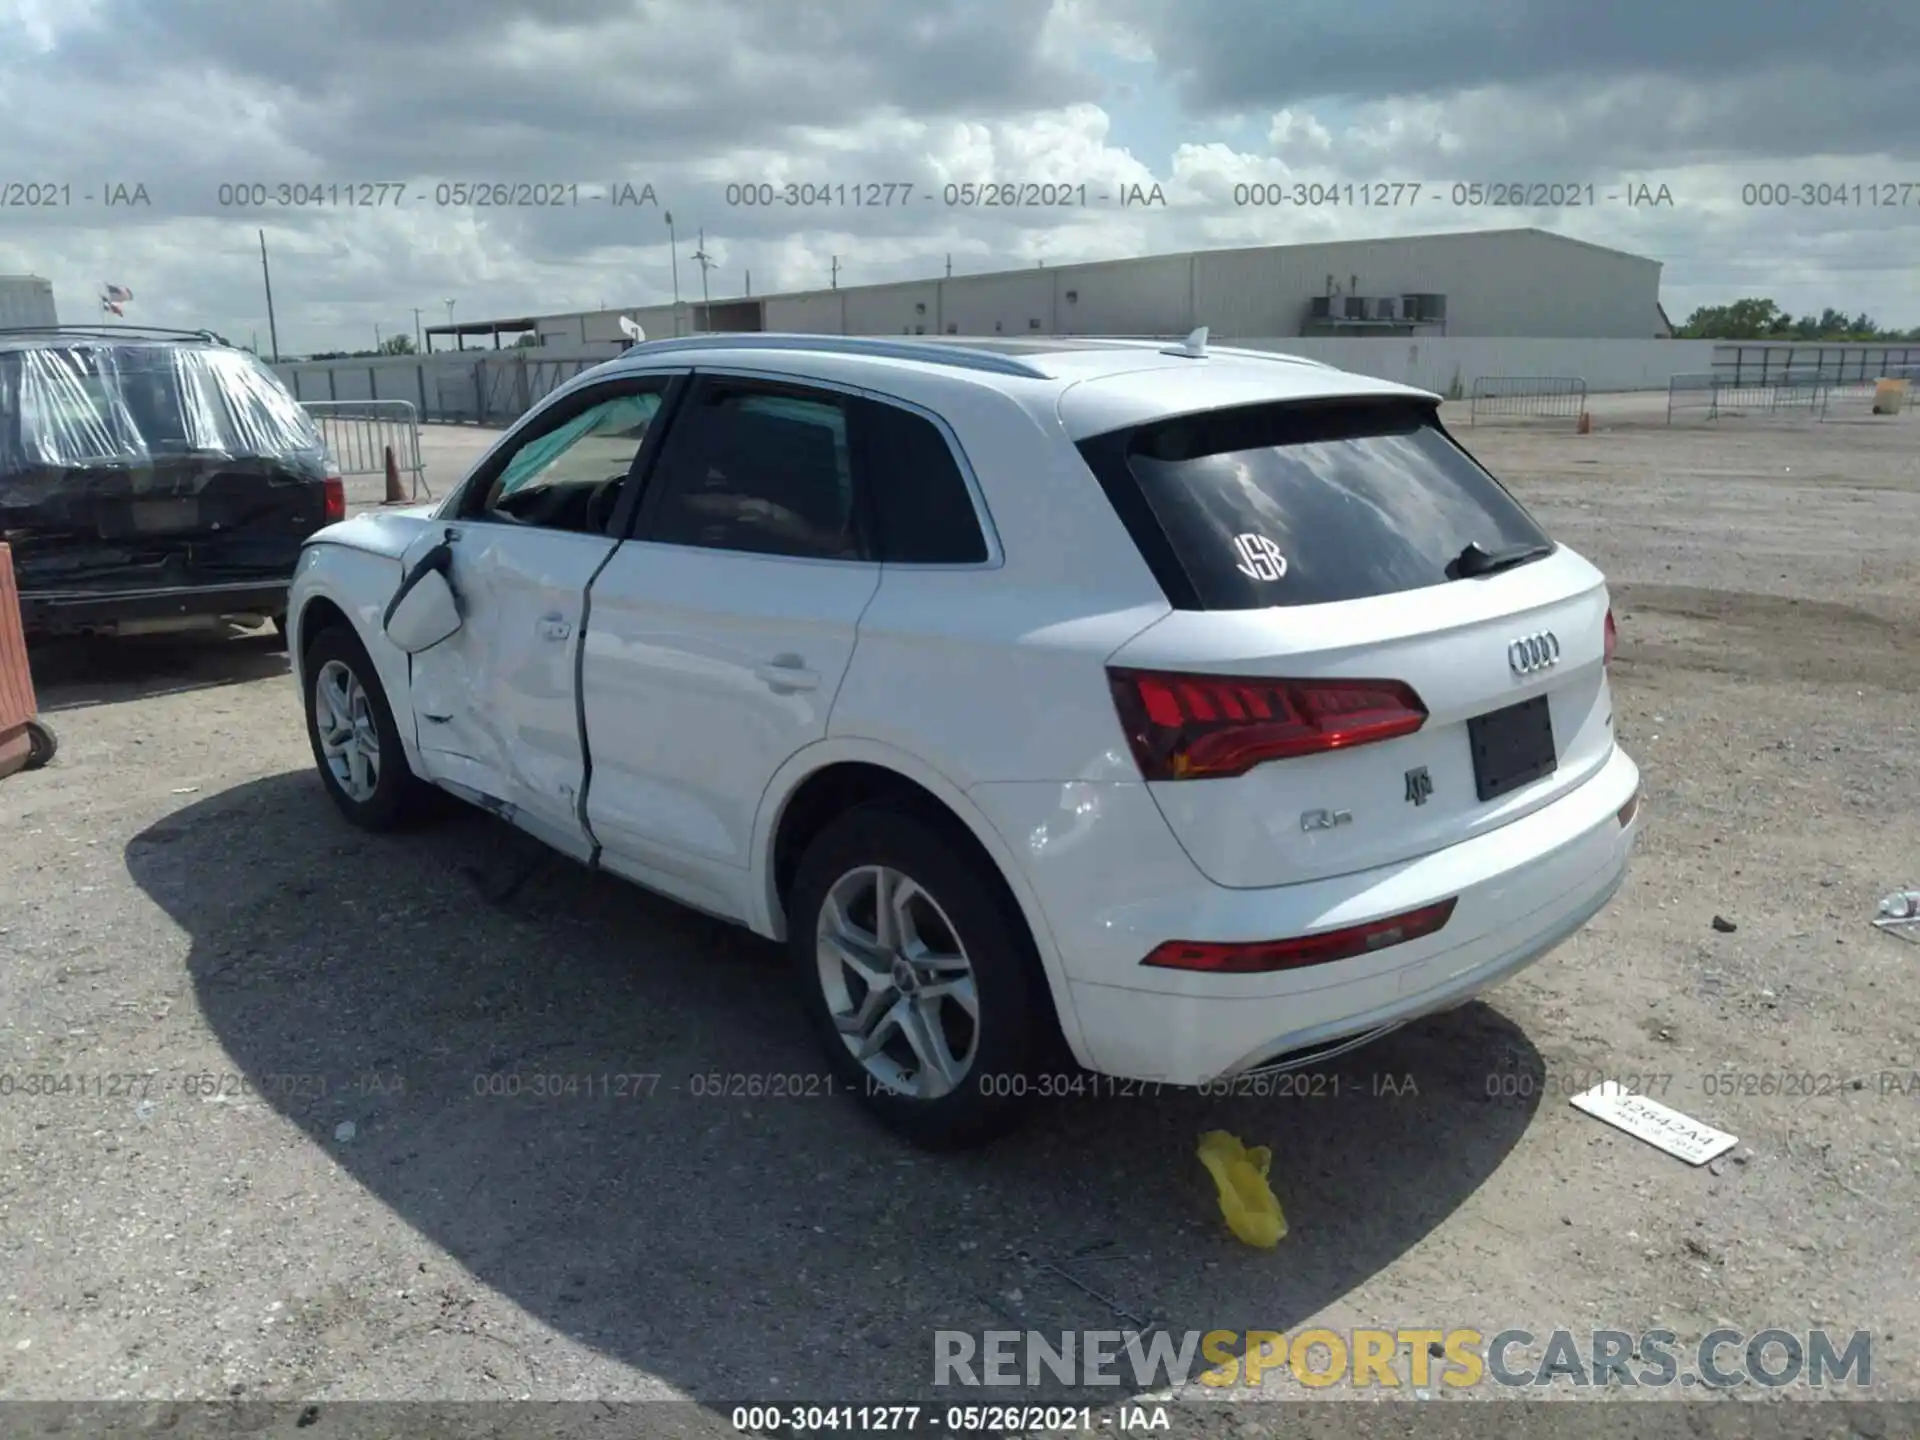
pixel 343 716
pixel 898 982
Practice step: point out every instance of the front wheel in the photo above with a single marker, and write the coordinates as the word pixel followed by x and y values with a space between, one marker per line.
pixel 919 976
pixel 356 745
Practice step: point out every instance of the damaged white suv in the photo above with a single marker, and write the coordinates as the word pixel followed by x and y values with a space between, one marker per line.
pixel 1197 709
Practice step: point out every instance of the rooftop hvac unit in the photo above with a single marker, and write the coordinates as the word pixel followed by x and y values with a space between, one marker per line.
pixel 1426 309
pixel 1355 306
pixel 1320 307
pixel 1386 308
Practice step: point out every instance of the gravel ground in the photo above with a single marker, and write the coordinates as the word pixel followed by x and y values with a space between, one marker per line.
pixel 350 1215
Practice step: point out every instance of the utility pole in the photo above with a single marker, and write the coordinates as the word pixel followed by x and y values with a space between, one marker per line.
pixel 706 264
pixel 949 264
pixel 673 256
pixel 749 284
pixel 376 336
pixel 266 276
pixel 459 341
pixel 419 344
pixel 834 283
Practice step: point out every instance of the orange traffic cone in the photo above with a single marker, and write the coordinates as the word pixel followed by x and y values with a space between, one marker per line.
pixel 395 495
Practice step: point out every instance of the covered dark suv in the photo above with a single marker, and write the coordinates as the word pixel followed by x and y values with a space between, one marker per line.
pixel 152 480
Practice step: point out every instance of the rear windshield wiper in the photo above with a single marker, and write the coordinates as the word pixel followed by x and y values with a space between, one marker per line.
pixel 1475 561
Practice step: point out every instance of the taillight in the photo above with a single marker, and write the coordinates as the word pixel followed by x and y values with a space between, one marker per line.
pixel 335 490
pixel 1197 727
pixel 1613 636
pixel 1258 956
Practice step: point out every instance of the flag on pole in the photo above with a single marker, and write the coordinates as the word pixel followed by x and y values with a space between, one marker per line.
pixel 119 294
pixel 108 307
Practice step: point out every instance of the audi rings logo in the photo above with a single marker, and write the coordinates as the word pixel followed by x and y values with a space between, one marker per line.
pixel 1531 654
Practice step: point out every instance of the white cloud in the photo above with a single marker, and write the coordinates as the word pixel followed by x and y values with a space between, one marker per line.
pixel 693 97
pixel 1300 133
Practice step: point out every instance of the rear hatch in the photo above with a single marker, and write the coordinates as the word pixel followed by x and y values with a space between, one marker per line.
pixel 1374 652
pixel 139 466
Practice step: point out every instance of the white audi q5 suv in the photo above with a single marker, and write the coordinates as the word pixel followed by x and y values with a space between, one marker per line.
pixel 1166 712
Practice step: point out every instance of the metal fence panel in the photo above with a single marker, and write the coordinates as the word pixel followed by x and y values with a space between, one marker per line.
pixel 1806 392
pixel 512 385
pixel 1856 398
pixel 493 388
pixel 358 434
pixel 1687 393
pixel 1761 364
pixel 1527 397
pixel 1741 397
pixel 456 397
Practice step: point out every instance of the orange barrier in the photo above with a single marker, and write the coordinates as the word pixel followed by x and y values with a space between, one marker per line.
pixel 25 741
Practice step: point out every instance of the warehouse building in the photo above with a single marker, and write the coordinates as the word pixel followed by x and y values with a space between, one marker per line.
pixel 1491 283
pixel 26 301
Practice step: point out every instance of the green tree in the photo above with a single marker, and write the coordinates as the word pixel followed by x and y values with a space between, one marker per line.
pixel 1755 318
pixel 1749 319
pixel 397 345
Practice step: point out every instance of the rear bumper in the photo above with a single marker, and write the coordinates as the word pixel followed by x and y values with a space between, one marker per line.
pixel 1521 891
pixel 57 611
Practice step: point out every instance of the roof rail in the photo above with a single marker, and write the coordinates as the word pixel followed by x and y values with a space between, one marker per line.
pixel 935 353
pixel 115 332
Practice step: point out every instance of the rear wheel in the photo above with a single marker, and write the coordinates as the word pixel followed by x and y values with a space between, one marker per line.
pixel 919 977
pixel 356 745
pixel 42 744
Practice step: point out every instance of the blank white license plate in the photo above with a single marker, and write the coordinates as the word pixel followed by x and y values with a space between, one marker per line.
pixel 159 516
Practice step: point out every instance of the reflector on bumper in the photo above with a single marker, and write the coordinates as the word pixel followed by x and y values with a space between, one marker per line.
pixel 1259 956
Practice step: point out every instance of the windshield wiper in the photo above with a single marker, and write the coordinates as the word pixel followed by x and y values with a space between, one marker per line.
pixel 1475 561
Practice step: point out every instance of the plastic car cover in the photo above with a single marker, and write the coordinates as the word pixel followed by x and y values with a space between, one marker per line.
pixel 108 406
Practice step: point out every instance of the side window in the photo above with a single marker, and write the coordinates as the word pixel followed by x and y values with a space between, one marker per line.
pixel 569 477
pixel 924 512
pixel 762 469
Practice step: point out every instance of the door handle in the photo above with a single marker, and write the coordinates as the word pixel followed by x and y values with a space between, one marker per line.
pixel 785 674
pixel 555 627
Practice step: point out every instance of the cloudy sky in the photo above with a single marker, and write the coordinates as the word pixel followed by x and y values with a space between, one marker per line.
pixel 190 109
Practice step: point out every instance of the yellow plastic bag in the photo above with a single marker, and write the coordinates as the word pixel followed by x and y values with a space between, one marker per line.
pixel 1246 1199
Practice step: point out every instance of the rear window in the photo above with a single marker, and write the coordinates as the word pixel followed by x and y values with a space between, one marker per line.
pixel 1303 504
pixel 128 404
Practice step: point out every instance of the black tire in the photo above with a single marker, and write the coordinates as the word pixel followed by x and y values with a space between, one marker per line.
pixel 397 794
pixel 1012 995
pixel 42 744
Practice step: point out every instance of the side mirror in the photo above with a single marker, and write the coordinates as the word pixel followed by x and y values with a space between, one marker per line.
pixel 423 611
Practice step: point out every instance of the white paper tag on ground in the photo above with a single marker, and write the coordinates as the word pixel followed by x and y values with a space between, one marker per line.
pixel 1654 1123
